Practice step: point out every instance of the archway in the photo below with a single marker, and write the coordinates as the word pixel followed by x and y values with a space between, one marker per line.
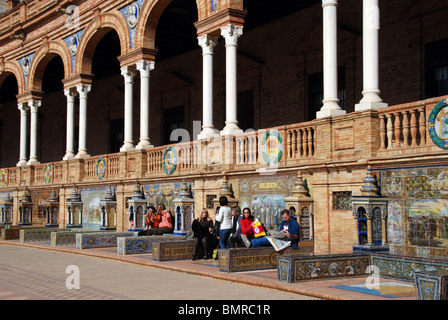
pixel 106 119
pixel 9 120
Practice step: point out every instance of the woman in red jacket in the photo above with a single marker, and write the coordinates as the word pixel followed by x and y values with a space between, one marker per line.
pixel 246 227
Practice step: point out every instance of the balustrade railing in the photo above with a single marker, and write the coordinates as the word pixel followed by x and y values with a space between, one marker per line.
pixel 402 130
pixel 404 127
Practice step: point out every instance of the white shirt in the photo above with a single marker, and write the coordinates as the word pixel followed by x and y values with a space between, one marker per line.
pixel 225 217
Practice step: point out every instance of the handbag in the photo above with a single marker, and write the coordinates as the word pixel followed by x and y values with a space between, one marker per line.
pixel 258 229
pixel 246 241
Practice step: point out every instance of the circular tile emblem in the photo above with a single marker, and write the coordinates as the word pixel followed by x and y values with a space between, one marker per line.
pixel 48 173
pixel 100 168
pixel 169 160
pixel 438 124
pixel 272 147
pixel 3 177
pixel 132 15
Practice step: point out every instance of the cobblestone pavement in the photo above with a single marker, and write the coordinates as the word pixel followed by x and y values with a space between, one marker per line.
pixel 35 274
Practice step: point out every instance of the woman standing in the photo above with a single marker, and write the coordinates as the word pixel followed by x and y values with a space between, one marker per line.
pixel 225 219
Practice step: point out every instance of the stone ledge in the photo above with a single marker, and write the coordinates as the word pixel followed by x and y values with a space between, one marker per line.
pixel 142 245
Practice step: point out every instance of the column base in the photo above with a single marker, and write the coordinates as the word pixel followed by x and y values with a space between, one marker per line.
pixel 325 113
pixel 144 144
pixel 69 156
pixel 22 163
pixel 127 147
pixel 361 106
pixel 33 162
pixel 82 154
pixel 231 129
pixel 208 133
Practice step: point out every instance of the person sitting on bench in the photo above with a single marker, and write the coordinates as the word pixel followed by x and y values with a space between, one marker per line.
pixel 289 226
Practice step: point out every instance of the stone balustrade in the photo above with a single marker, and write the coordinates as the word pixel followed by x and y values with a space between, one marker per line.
pixel 361 135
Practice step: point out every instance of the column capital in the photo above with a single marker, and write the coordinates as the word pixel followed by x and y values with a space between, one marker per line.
pixel 208 43
pixel 34 104
pixel 70 92
pixel 22 108
pixel 83 90
pixel 231 33
pixel 128 73
pixel 145 67
pixel 326 3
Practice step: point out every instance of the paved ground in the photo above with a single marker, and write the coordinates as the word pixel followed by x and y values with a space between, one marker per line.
pixel 28 273
pixel 37 270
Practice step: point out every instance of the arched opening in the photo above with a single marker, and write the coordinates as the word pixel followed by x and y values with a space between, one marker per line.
pixel 52 113
pixel 176 35
pixel 9 120
pixel 105 115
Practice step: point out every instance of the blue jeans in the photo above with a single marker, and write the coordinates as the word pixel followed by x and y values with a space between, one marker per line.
pixel 223 237
pixel 260 242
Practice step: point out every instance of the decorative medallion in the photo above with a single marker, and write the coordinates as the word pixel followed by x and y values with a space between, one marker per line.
pixel 132 14
pixel 272 147
pixel 26 66
pixel 3 177
pixel 73 44
pixel 438 124
pixel 100 168
pixel 48 173
pixel 170 160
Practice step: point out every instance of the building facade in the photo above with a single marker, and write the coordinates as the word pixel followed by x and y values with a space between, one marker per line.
pixel 158 92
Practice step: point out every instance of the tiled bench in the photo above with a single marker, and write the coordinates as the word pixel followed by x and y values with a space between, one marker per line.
pixel 296 268
pixel 403 267
pixel 142 245
pixel 32 235
pixel 248 259
pixel 13 233
pixel 172 250
pixel 67 238
pixel 100 239
pixel 432 285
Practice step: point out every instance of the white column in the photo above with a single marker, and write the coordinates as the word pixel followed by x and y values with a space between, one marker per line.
pixel 83 91
pixel 231 34
pixel 330 43
pixel 23 134
pixel 69 152
pixel 128 74
pixel 208 44
pixel 371 24
pixel 145 68
pixel 34 107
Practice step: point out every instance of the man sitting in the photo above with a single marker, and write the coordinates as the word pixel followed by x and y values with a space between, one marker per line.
pixel 289 227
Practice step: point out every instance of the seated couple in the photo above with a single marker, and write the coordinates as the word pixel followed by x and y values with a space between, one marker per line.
pixel 157 222
pixel 289 228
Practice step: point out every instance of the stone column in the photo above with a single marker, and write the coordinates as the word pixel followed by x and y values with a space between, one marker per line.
pixel 231 33
pixel 23 134
pixel 369 217
pixel 208 44
pixel 331 102
pixel 371 24
pixel 69 152
pixel 34 107
pixel 83 91
pixel 128 74
pixel 145 68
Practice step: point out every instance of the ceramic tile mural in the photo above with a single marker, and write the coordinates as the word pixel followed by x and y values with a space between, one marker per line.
pixel 40 197
pixel 163 193
pixel 418 205
pixel 91 198
pixel 265 196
